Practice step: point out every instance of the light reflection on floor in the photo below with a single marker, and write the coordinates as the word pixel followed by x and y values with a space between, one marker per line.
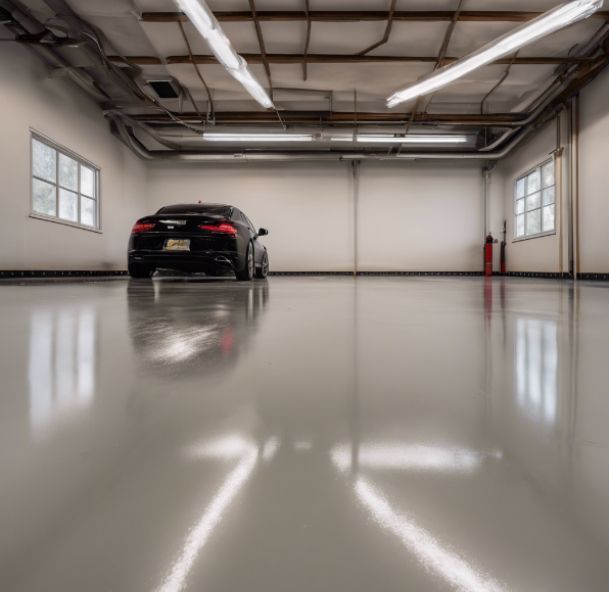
pixel 305 434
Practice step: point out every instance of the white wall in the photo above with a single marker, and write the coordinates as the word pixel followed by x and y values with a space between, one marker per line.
pixel 543 254
pixel 31 99
pixel 537 254
pixel 594 177
pixel 420 216
pixel 411 216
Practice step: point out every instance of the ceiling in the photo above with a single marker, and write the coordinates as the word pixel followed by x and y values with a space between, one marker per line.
pixel 324 84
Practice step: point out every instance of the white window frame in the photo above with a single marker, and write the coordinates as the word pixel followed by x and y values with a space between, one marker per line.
pixel 515 199
pixel 59 149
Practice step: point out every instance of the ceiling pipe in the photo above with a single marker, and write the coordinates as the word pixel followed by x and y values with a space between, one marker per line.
pixel 126 135
pixel 23 22
pixel 114 114
pixel 341 16
pixel 561 84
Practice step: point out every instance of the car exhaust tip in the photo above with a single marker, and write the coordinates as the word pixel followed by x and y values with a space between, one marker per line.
pixel 224 260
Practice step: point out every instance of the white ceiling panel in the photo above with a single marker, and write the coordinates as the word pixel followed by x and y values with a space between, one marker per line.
pixel 373 81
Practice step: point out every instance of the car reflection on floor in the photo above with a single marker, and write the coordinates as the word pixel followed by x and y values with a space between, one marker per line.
pixel 194 326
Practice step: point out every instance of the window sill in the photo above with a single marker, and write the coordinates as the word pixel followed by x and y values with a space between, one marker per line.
pixel 38 216
pixel 532 236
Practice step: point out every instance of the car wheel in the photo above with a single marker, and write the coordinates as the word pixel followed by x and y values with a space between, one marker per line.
pixel 263 270
pixel 247 272
pixel 140 271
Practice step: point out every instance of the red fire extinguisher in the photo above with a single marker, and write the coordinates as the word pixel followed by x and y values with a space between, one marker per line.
pixel 488 255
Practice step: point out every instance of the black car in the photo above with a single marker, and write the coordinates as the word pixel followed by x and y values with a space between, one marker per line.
pixel 210 238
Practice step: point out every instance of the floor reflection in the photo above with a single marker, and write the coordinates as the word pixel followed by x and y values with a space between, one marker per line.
pixel 247 455
pixel 536 367
pixel 347 434
pixel 173 332
pixel 61 364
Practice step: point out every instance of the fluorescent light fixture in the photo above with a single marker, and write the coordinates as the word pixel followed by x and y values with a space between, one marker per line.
pixel 208 27
pixel 252 86
pixel 543 25
pixel 393 139
pixel 255 137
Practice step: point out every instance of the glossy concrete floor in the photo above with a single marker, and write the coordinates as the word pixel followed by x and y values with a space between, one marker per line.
pixel 305 434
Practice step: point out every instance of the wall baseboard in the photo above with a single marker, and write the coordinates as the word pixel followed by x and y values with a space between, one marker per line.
pixel 377 273
pixel 554 275
pixel 41 274
pixel 33 273
pixel 603 277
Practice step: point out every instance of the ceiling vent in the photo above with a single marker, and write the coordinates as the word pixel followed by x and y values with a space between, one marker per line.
pixel 166 88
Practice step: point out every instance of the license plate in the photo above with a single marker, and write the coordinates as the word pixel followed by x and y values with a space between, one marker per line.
pixel 177 244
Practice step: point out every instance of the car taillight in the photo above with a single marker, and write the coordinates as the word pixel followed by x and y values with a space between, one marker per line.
pixel 142 227
pixel 221 227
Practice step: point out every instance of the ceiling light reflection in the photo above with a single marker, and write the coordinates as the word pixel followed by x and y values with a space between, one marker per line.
pixel 270 449
pixel 209 520
pixel 212 516
pixel 228 447
pixel 424 546
pixel 412 457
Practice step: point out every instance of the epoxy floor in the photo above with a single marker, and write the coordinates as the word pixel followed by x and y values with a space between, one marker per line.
pixel 305 435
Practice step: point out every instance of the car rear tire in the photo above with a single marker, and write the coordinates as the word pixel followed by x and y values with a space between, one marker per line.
pixel 140 271
pixel 263 270
pixel 246 273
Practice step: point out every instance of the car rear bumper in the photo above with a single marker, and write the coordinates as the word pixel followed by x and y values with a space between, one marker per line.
pixel 186 261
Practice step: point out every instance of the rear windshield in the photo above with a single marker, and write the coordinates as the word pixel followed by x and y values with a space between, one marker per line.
pixel 215 209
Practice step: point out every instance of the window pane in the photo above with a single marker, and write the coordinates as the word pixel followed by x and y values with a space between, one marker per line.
pixel 547 174
pixel 68 205
pixel 87 181
pixel 520 188
pixel 548 196
pixel 533 201
pixel 43 197
pixel 43 161
pixel 533 182
pixel 68 172
pixel 87 211
pixel 548 219
pixel 520 225
pixel 534 222
pixel 520 206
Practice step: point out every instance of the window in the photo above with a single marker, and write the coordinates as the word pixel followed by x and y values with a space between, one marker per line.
pixel 535 202
pixel 64 186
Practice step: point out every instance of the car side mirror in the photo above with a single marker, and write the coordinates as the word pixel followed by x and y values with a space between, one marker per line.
pixel 262 232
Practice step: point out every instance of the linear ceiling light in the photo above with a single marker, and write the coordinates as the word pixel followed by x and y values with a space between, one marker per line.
pixel 547 23
pixel 205 22
pixel 256 137
pixel 393 139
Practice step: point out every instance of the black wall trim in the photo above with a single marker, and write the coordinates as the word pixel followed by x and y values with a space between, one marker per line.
pixel 555 275
pixel 602 277
pixel 377 273
pixel 59 273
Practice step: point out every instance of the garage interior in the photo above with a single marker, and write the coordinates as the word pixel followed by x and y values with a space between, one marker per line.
pixel 413 400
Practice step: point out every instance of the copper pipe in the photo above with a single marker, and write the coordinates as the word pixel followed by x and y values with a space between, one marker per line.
pixel 260 37
pixel 339 16
pixel 387 32
pixel 295 58
pixel 198 71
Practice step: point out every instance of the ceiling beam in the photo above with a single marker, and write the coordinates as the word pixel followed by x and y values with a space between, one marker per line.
pixel 346 117
pixel 511 16
pixel 288 58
